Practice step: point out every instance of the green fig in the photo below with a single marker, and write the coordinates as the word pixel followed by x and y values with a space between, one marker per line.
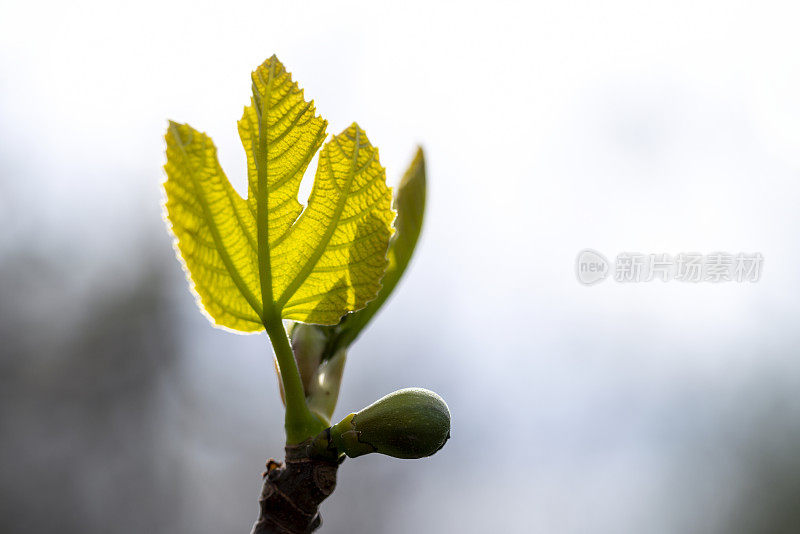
pixel 409 423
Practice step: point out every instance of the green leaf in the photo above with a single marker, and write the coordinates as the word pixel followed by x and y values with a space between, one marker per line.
pixel 214 230
pixel 252 261
pixel 410 206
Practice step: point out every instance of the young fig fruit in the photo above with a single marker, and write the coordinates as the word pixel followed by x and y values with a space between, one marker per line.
pixel 409 423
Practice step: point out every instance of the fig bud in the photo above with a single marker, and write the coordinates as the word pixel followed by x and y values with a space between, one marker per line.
pixel 308 344
pixel 323 391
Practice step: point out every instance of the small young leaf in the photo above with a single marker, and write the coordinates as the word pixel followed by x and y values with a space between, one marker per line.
pixel 253 260
pixel 410 206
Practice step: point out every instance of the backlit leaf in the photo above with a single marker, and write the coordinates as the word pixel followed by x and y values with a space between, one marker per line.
pixel 214 229
pixel 410 206
pixel 265 256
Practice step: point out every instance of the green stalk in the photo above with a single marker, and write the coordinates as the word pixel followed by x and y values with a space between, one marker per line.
pixel 300 423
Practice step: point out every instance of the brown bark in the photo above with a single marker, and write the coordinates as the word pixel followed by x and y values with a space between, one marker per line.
pixel 293 490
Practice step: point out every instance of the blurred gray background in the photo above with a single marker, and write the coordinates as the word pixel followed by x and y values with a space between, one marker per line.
pixel 549 127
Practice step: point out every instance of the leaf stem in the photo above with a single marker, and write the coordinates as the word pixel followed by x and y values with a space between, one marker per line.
pixel 300 423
